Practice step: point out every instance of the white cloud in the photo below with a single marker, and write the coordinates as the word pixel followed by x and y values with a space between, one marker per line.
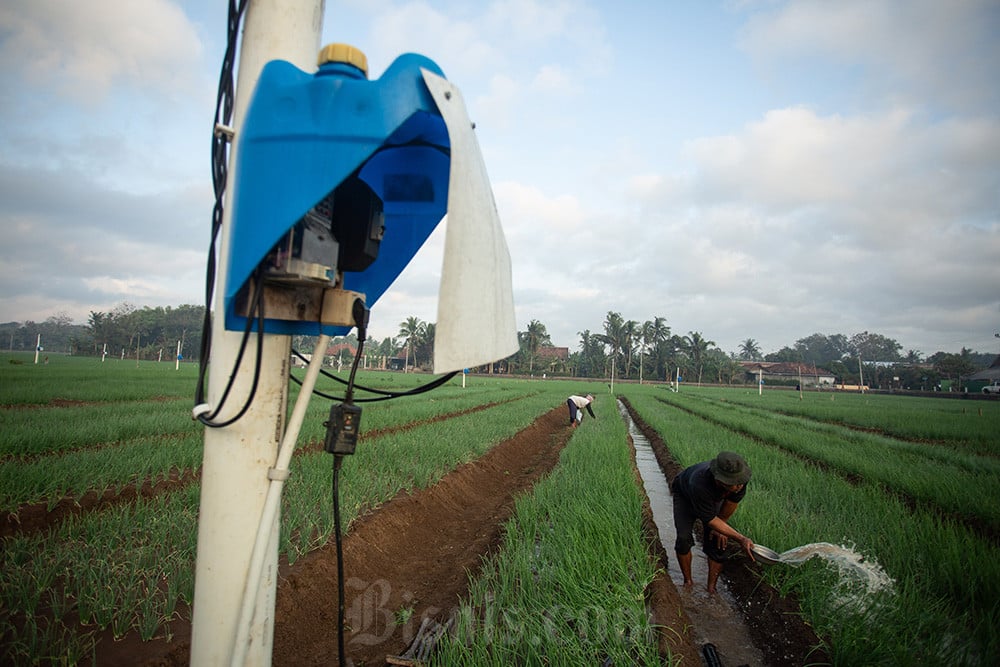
pixel 940 53
pixel 83 49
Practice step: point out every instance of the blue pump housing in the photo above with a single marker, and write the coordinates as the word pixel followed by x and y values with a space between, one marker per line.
pixel 303 134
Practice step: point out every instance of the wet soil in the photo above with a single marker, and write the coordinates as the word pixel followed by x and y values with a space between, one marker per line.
pixel 412 558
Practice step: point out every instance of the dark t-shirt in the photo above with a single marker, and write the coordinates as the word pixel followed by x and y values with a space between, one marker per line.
pixel 697 485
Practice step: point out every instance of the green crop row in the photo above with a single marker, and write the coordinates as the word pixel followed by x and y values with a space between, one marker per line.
pixel 384 465
pixel 567 586
pixel 970 426
pixel 44 430
pixel 942 607
pixel 73 474
pixel 955 481
pixel 129 567
pixel 23 382
pixel 49 453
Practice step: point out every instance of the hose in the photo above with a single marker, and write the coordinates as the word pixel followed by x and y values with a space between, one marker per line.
pixel 277 474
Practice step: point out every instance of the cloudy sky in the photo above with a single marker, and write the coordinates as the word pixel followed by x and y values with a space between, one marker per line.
pixel 744 169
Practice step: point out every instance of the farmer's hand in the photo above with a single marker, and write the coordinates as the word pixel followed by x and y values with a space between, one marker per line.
pixel 720 540
pixel 748 547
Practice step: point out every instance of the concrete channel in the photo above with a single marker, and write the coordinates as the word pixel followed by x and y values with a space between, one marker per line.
pixel 715 618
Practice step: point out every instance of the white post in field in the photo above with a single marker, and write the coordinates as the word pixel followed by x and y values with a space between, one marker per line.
pixel 177 358
pixel 237 457
pixel 613 359
pixel 104 352
pixel 760 382
pixel 38 347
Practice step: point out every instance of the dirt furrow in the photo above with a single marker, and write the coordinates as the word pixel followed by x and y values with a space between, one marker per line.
pixel 413 553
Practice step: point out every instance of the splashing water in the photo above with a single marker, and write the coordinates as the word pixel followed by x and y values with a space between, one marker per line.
pixel 852 567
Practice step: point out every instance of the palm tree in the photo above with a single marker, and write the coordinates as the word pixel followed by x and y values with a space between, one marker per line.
pixel 614 334
pixel 645 340
pixel 661 347
pixel 427 340
pixel 535 337
pixel 592 357
pixel 630 336
pixel 411 331
pixel 749 350
pixel 696 346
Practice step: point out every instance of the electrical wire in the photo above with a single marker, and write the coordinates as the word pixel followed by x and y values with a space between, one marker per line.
pixel 258 310
pixel 337 461
pixel 360 314
pixel 224 100
pixel 383 395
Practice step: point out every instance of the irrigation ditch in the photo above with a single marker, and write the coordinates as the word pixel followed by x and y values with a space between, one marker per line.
pixel 773 621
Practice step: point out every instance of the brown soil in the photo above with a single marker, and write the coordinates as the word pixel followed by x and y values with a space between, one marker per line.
pixel 417 551
pixel 36 517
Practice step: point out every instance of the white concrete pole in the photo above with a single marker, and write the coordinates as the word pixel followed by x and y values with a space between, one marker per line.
pixel 234 479
pixel 177 357
pixel 38 347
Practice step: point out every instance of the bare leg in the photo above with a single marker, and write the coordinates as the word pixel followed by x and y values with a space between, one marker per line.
pixel 714 569
pixel 684 560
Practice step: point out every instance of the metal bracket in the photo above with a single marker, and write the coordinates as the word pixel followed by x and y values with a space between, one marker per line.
pixel 304 303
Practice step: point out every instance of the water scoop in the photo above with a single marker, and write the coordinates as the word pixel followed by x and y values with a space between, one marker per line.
pixel 766 555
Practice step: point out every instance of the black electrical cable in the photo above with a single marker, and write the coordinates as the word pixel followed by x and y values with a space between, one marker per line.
pixel 383 395
pixel 219 165
pixel 337 460
pixel 258 310
pixel 360 314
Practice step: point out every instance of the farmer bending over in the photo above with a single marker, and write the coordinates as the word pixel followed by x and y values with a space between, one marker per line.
pixel 709 491
pixel 576 404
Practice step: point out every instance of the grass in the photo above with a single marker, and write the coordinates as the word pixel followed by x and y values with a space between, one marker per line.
pixel 942 608
pixel 129 567
pixel 567 586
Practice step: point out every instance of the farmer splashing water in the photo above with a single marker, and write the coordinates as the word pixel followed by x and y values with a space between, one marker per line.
pixel 709 491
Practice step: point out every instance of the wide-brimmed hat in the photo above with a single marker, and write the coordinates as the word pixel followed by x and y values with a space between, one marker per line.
pixel 730 469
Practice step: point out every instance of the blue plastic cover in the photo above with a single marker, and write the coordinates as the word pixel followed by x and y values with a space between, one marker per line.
pixel 305 133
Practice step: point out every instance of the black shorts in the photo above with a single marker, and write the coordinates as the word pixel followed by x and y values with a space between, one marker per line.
pixel 684 519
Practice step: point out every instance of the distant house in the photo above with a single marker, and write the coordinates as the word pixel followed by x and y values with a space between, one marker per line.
pixel 788 372
pixel 337 349
pixel 977 380
pixel 560 353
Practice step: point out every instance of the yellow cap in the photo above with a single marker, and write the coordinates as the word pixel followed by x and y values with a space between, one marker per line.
pixel 343 53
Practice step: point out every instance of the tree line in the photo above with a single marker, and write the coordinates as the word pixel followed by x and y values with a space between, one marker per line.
pixel 622 348
pixel 127 331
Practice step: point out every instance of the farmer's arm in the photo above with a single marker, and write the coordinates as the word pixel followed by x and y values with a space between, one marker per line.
pixel 728 507
pixel 591 411
pixel 719 525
